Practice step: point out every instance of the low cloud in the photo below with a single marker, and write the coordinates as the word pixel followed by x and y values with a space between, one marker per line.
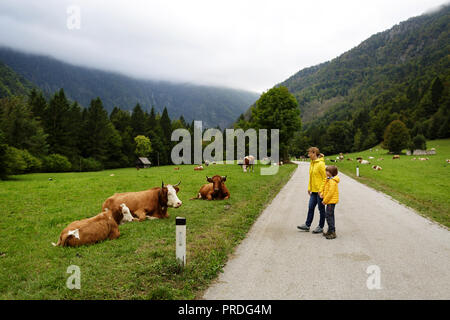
pixel 242 44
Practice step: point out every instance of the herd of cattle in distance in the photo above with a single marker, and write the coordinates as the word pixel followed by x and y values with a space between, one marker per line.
pixel 135 206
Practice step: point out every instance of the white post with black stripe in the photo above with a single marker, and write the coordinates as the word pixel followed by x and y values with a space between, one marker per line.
pixel 181 240
pixel 357 171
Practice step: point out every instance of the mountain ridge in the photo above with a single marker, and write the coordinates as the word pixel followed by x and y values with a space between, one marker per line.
pixel 402 73
pixel 311 86
pixel 213 105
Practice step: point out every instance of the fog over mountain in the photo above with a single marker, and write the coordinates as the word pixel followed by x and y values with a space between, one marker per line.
pixel 240 44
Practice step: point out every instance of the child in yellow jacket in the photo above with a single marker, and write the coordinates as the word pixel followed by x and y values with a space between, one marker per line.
pixel 330 194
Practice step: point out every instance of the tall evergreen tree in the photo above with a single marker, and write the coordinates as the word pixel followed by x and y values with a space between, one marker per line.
pixel 183 122
pixel 75 131
pixel 3 160
pixel 166 124
pixel 122 122
pixel 37 103
pixel 98 131
pixel 20 128
pixel 138 121
pixel 154 132
pixel 166 127
pixel 58 123
pixel 152 122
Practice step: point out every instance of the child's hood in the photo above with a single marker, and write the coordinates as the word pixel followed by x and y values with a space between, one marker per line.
pixel 336 178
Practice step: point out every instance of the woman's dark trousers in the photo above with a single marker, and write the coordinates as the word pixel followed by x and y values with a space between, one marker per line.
pixel 314 200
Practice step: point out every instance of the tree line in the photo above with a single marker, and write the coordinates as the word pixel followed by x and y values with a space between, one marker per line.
pixel 54 135
pixel 421 108
pixel 403 117
pixel 401 74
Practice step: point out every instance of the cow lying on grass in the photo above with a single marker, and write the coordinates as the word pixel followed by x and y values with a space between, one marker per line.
pixel 362 161
pixel 127 217
pixel 89 231
pixel 148 204
pixel 216 189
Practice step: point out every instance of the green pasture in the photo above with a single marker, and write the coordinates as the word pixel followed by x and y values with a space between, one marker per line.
pixel 421 185
pixel 141 264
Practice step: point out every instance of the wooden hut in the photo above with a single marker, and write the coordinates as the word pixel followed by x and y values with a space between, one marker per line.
pixel 143 162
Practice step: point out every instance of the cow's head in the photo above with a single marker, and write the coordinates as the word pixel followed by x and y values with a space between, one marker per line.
pixel 217 182
pixel 168 195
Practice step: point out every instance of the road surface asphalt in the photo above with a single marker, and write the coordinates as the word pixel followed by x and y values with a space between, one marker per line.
pixel 383 250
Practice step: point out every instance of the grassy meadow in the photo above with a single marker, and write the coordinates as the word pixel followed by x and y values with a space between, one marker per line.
pixel 421 185
pixel 141 263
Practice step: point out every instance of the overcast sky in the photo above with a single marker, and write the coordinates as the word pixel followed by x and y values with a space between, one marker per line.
pixel 235 43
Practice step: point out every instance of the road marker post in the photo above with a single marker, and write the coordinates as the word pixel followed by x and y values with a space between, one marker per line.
pixel 180 223
pixel 357 171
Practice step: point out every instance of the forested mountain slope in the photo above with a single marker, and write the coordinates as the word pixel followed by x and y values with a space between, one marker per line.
pixel 11 83
pixel 399 74
pixel 214 105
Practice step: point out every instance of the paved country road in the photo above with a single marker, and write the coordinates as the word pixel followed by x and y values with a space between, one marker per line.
pixel 277 261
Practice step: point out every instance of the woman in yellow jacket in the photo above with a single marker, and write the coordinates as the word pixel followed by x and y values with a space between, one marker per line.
pixel 317 176
pixel 330 195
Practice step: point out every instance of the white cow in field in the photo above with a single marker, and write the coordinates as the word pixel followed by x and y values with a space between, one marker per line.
pixel 363 161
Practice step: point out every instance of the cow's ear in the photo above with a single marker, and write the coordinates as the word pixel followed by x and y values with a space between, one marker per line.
pixel 208 179
pixel 224 178
pixel 163 192
pixel 176 189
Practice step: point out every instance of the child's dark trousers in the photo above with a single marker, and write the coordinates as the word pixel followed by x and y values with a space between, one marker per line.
pixel 329 213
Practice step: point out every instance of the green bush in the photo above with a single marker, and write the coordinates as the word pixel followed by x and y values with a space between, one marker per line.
pixel 56 163
pixel 33 164
pixel 20 161
pixel 90 164
pixel 418 142
pixel 15 162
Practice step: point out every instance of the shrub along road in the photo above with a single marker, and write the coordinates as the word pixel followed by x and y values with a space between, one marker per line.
pixel 381 245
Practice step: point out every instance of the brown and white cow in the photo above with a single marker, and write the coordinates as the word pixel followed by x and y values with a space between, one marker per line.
pixel 216 189
pixel 89 231
pixel 362 161
pixel 148 204
pixel 249 162
pixel 127 217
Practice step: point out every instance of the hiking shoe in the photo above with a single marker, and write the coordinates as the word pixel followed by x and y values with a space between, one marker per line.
pixel 303 227
pixel 332 235
pixel 318 230
pixel 326 233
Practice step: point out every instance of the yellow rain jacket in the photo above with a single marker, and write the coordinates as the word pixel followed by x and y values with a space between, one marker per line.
pixel 330 191
pixel 316 174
